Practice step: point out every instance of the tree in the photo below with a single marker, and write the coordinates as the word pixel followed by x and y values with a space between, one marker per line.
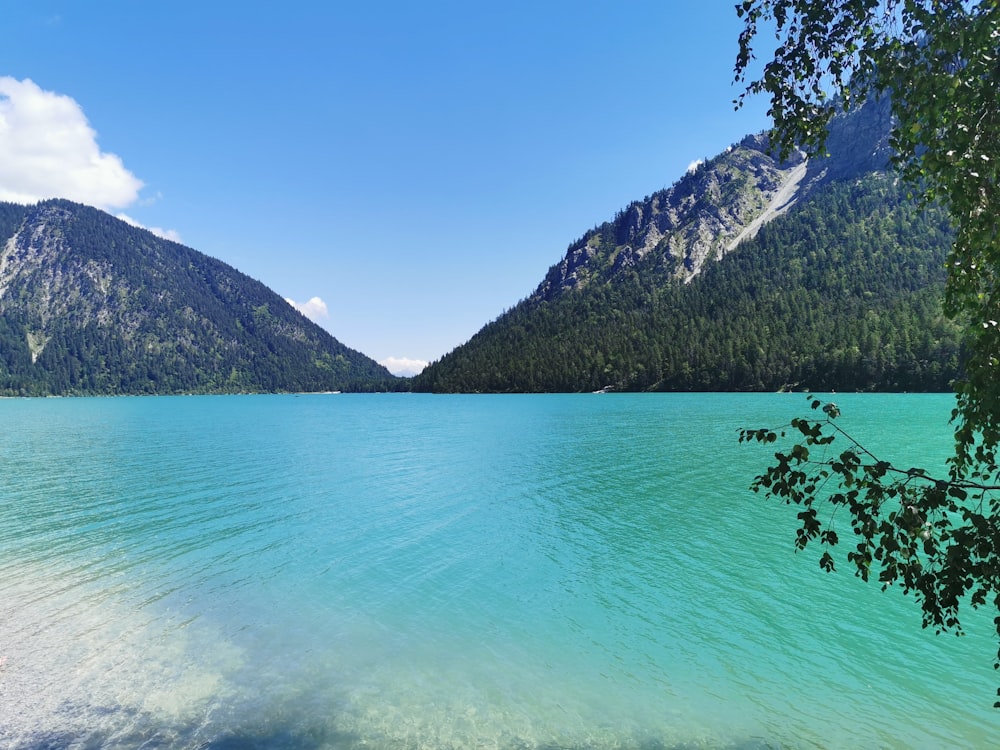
pixel 938 62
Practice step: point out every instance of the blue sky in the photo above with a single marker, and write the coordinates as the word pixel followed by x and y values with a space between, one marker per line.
pixel 412 168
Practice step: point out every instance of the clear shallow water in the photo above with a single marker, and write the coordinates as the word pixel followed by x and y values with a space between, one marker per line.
pixel 450 572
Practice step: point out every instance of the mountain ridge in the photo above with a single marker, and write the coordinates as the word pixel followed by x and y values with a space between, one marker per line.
pixel 92 305
pixel 751 272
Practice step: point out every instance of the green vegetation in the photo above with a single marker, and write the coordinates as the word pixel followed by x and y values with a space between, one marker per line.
pixel 91 305
pixel 843 292
pixel 934 533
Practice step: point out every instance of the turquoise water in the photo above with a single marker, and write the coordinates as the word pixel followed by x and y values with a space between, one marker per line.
pixel 409 571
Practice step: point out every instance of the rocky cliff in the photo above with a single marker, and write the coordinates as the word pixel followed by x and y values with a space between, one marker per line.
pixel 718 204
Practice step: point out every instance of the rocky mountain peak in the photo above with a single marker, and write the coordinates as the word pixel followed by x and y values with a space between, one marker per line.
pixel 717 205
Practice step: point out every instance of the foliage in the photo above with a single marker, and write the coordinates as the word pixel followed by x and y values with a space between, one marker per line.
pixel 934 536
pixel 936 61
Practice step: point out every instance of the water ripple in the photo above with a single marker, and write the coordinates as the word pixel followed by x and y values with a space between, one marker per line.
pixel 402 572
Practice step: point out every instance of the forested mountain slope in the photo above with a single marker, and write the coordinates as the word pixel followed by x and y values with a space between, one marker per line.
pixel 92 305
pixel 716 285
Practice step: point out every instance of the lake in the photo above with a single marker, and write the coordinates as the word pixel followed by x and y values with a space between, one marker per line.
pixel 416 571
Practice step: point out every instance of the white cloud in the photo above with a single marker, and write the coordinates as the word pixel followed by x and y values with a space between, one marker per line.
pixel 694 165
pixel 167 234
pixel 403 367
pixel 314 309
pixel 49 150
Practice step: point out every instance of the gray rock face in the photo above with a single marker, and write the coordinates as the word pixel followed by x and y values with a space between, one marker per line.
pixel 858 144
pixel 715 206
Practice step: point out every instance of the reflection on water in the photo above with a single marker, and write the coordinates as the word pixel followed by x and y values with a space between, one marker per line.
pixel 443 572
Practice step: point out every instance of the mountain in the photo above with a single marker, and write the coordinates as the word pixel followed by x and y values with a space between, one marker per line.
pixel 92 305
pixel 750 273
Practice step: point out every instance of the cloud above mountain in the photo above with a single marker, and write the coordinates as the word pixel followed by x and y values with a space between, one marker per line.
pixel 315 309
pixel 49 150
pixel 167 234
pixel 403 366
